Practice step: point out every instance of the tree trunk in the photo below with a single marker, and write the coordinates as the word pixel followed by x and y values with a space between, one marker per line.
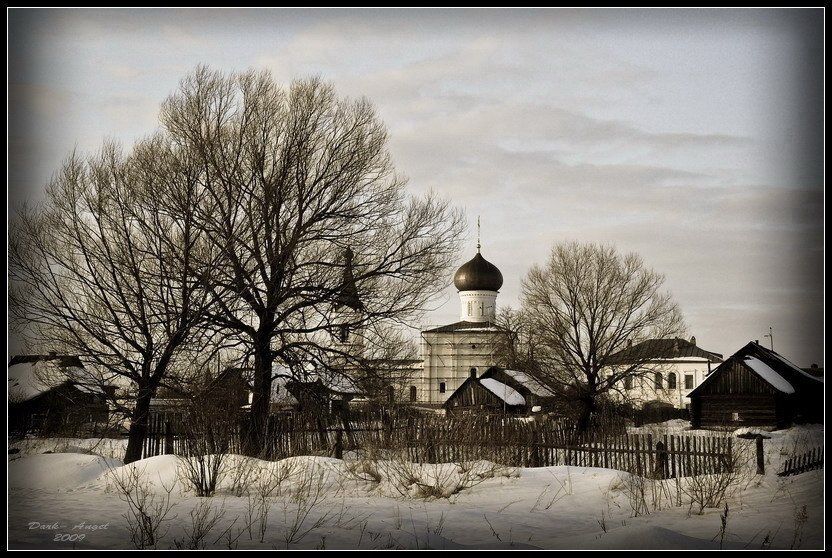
pixel 588 408
pixel 261 398
pixel 138 424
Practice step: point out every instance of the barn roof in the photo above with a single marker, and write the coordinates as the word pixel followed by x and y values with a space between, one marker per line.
pixel 504 392
pixel 773 368
pixel 663 349
pixel 532 384
pixel 31 376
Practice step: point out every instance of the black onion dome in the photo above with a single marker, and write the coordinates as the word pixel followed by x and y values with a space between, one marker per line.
pixel 478 274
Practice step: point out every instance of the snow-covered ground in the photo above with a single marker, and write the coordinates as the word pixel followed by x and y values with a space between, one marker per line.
pixel 322 503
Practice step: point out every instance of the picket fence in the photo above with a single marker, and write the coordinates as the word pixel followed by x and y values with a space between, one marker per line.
pixel 439 439
pixel 809 461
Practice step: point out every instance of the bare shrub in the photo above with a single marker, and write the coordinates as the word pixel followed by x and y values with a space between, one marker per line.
pixel 240 475
pixel 800 518
pixel 723 526
pixel 209 424
pixel 645 495
pixel 431 482
pixel 365 470
pixel 268 484
pixel 711 491
pixel 147 511
pixel 204 518
pixel 554 492
pixel 308 494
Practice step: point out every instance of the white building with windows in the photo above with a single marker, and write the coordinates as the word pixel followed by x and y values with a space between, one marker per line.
pixel 675 367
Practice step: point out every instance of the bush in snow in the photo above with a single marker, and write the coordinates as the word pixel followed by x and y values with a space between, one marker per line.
pixel 209 425
pixel 711 491
pixel 147 511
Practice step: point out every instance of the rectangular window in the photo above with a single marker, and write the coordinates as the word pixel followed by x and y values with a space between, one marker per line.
pixel 688 381
pixel 441 387
pixel 628 382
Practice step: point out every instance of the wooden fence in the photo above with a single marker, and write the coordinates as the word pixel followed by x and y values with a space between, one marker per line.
pixel 438 439
pixel 809 461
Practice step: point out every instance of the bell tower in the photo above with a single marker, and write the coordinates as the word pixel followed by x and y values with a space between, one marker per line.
pixel 348 310
pixel 478 282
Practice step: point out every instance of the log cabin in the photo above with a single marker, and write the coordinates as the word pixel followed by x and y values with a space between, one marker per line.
pixel 756 387
pixel 486 395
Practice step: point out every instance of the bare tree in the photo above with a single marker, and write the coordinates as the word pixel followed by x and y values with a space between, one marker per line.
pixel 515 349
pixel 293 178
pixel 584 306
pixel 103 269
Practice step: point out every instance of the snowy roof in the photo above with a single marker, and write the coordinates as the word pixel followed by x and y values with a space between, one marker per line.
pixel 532 384
pixel 774 369
pixel 796 368
pixel 504 392
pixel 29 378
pixel 768 374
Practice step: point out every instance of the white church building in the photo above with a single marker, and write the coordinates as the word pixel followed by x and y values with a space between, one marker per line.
pixel 454 352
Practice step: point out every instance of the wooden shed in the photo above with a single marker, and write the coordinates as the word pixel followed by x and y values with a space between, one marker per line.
pixel 486 395
pixel 757 387
pixel 44 397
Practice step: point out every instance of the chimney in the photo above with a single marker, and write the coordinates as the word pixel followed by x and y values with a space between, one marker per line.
pixel 629 343
pixel 693 340
pixel 814 365
pixel 756 341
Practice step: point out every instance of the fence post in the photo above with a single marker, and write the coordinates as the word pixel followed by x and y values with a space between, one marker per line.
pixel 761 465
pixel 661 461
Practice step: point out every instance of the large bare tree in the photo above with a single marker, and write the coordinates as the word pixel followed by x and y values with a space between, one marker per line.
pixel 293 177
pixel 584 307
pixel 103 269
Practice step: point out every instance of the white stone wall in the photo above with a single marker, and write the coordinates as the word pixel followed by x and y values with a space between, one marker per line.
pixel 449 358
pixel 478 306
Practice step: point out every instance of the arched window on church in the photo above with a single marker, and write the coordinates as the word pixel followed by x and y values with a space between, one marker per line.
pixel 344 333
pixel 657 381
pixel 671 380
pixel 413 393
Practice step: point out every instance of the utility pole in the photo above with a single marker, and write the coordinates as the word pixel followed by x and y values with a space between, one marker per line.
pixel 770 336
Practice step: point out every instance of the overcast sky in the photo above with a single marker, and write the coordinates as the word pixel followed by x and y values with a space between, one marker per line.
pixel 692 138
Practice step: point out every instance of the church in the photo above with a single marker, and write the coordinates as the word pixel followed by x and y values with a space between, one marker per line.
pixel 455 352
pixel 450 354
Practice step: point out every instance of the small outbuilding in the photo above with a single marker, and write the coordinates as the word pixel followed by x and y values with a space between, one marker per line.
pixel 757 387
pixel 486 395
pixel 46 398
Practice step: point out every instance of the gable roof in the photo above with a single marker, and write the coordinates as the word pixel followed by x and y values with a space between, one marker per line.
pixel 505 393
pixel 773 368
pixel 31 376
pixel 535 386
pixel 466 326
pixel 663 349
